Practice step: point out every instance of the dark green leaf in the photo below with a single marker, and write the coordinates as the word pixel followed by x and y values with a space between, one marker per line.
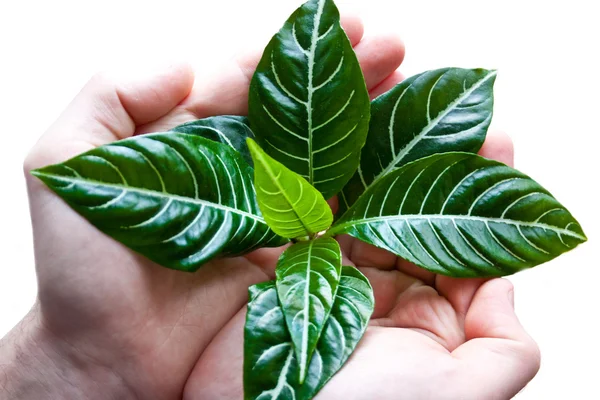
pixel 437 111
pixel 308 274
pixel 231 130
pixel 290 205
pixel 178 199
pixel 308 103
pixel 270 366
pixel 460 214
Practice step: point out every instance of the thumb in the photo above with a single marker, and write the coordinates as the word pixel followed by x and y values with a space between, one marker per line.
pixel 499 357
pixel 110 107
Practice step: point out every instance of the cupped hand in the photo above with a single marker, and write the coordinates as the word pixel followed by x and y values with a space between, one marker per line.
pixel 162 334
pixel 430 336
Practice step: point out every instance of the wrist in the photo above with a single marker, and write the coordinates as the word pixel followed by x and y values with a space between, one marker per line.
pixel 35 364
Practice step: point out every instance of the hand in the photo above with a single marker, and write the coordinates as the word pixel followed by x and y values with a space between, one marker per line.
pixel 430 337
pixel 110 324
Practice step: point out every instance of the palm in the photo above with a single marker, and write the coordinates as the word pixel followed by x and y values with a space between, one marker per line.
pixel 413 322
pixel 182 333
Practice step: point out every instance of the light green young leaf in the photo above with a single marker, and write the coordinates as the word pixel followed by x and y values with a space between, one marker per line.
pixel 459 214
pixel 290 205
pixel 180 200
pixel 438 111
pixel 231 130
pixel 308 102
pixel 308 274
pixel 270 363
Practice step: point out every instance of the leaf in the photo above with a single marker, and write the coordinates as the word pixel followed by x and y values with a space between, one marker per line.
pixel 231 130
pixel 308 274
pixel 178 199
pixel 270 364
pixel 290 205
pixel 438 111
pixel 308 103
pixel 459 214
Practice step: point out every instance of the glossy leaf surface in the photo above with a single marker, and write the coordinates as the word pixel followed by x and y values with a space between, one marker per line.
pixel 460 214
pixel 270 364
pixel 308 103
pixel 290 205
pixel 178 199
pixel 308 274
pixel 231 130
pixel 437 111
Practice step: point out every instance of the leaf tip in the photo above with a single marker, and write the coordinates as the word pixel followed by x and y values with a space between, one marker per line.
pixel 251 143
pixel 255 150
pixel 39 173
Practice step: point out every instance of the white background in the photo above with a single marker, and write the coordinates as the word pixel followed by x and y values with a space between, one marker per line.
pixel 547 98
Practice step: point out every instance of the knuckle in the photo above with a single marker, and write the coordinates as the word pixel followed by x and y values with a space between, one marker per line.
pixel 530 357
pixel 534 355
pixel 508 285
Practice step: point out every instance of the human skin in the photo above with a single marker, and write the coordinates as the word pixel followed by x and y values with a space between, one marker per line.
pixel 110 324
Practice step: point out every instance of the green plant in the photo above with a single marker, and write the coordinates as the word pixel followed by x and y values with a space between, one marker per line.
pixel 404 167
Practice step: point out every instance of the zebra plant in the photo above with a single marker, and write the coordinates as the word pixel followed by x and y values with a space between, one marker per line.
pixel 404 167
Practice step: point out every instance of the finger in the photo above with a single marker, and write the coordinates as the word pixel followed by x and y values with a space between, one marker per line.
pixel 346 243
pixel 333 204
pixel 499 356
pixel 266 259
pixel 109 108
pixel 353 26
pixel 459 292
pixel 368 256
pixel 498 146
pixel 379 56
pixel 392 80
pixel 147 97
pixel 388 288
pixel 410 269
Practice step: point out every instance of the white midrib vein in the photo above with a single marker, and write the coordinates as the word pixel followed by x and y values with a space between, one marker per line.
pixel 147 192
pixel 304 348
pixel 562 231
pixel 311 64
pixel 432 123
